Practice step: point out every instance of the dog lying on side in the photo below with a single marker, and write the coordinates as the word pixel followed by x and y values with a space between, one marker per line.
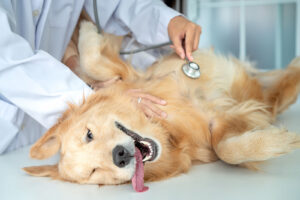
pixel 225 114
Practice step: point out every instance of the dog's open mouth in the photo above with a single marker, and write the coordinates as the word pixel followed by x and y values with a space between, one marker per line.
pixel 147 147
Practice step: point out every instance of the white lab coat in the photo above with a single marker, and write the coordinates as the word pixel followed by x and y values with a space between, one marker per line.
pixel 34 84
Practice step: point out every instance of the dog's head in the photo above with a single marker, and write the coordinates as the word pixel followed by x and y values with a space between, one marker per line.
pixel 99 141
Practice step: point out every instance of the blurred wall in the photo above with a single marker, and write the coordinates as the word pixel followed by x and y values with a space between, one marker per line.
pixel 263 31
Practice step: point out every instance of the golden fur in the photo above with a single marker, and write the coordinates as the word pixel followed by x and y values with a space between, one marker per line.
pixel 226 114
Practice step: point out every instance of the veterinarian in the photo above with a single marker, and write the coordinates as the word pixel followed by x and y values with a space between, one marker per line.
pixel 35 85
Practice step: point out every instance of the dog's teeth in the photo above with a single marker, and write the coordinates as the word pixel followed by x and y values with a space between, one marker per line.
pixel 150 153
pixel 145 143
pixel 146 158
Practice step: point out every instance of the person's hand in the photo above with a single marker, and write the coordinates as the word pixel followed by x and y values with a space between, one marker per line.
pixel 185 36
pixel 147 103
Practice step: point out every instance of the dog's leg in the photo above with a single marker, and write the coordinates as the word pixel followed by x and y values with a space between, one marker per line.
pixel 257 145
pixel 281 87
pixel 245 135
pixel 99 57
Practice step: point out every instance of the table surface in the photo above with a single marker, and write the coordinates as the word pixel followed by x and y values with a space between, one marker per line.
pixel 278 180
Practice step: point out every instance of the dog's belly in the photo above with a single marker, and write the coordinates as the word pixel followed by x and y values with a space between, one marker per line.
pixel 216 79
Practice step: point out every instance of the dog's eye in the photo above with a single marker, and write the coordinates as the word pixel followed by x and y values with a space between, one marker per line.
pixel 92 172
pixel 89 136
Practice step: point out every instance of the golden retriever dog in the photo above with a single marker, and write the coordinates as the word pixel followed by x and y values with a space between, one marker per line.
pixel 226 113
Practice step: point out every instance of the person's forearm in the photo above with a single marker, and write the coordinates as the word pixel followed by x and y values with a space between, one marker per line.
pixel 35 81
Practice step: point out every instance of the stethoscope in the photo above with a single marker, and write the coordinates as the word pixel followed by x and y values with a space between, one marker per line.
pixel 190 69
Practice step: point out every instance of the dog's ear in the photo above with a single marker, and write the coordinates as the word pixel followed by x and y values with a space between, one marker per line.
pixel 50 142
pixel 45 170
pixel 47 145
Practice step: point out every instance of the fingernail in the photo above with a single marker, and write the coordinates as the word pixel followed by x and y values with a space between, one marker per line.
pixel 192 58
pixel 182 55
pixel 164 115
pixel 163 102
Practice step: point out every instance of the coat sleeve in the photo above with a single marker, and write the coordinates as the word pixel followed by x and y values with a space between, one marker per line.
pixel 33 80
pixel 146 20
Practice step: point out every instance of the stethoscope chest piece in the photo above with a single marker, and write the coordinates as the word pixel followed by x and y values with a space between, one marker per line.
pixel 191 69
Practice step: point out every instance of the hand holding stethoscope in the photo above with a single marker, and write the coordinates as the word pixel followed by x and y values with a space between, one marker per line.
pixel 185 36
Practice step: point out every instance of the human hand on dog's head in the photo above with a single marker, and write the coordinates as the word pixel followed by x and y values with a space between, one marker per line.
pixel 185 36
pixel 147 103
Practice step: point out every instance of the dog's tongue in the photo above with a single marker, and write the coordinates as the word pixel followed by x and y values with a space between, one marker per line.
pixel 138 178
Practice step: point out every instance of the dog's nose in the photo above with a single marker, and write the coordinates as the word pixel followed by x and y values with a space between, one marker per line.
pixel 121 156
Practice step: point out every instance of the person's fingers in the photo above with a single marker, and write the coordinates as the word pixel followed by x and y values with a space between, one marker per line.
pixel 189 41
pixel 153 99
pixel 147 103
pixel 155 111
pixel 177 42
pixel 185 36
pixel 147 111
pixel 138 93
pixel 197 38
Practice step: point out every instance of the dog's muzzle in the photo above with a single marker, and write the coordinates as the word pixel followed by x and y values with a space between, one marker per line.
pixel 147 146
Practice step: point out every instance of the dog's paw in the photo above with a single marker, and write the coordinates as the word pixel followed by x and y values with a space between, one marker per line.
pixel 90 41
pixel 88 34
pixel 277 141
pixel 88 26
pixel 258 145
